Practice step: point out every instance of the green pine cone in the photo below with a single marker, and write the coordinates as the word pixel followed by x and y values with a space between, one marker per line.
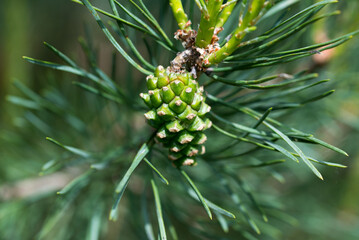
pixel 178 112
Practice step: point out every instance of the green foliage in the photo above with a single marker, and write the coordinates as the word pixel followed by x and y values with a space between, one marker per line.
pixel 249 143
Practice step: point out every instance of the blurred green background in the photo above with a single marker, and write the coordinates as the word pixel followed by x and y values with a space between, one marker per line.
pixel 326 209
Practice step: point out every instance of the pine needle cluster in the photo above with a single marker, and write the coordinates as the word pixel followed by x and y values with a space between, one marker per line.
pixel 236 51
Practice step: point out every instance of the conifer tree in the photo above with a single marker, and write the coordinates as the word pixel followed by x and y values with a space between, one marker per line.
pixel 209 79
